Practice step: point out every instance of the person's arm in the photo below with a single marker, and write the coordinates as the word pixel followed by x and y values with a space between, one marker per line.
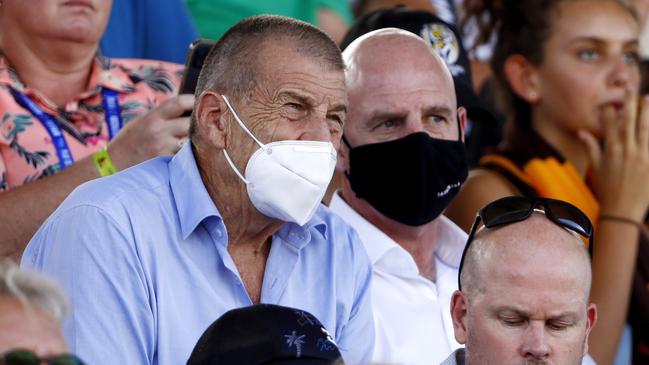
pixel 25 208
pixel 95 259
pixel 621 177
pixel 356 342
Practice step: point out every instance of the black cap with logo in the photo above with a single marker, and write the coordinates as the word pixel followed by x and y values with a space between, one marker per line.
pixel 265 334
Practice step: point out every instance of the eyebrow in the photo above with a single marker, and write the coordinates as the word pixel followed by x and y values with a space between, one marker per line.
pixel 600 42
pixel 521 313
pixel 339 108
pixel 379 115
pixel 310 100
pixel 300 96
pixel 438 110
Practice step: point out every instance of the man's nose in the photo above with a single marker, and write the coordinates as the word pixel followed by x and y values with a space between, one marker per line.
pixel 316 129
pixel 414 124
pixel 535 345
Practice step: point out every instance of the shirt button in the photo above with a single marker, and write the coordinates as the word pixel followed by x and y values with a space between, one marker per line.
pixel 219 233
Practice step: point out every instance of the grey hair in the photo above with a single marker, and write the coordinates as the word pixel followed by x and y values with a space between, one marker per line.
pixel 233 64
pixel 32 289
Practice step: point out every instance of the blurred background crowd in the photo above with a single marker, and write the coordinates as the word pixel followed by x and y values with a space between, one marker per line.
pixel 537 78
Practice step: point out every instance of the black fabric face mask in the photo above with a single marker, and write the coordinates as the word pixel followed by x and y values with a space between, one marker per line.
pixel 410 180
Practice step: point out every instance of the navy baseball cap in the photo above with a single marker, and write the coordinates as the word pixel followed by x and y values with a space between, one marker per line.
pixel 265 334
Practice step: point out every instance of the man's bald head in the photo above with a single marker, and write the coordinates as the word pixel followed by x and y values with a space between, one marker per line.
pixel 392 52
pixel 397 86
pixel 533 247
pixel 393 74
pixel 524 297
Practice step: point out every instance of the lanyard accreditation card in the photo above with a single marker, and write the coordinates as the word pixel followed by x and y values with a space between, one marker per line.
pixel 111 111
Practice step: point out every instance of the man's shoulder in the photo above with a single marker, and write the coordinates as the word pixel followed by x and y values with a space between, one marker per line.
pixel 124 188
pixel 102 212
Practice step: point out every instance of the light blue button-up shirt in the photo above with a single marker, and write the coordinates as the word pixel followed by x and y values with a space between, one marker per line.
pixel 143 256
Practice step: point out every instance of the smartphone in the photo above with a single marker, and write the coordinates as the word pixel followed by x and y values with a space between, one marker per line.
pixel 196 55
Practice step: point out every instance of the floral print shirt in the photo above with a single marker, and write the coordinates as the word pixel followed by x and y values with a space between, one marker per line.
pixel 27 152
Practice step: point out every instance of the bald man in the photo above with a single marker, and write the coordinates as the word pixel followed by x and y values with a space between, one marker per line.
pixel 403 159
pixel 525 296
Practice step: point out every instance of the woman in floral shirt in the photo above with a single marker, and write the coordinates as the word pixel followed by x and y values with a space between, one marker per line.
pixel 56 96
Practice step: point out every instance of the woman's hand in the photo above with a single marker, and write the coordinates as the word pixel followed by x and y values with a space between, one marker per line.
pixel 621 167
pixel 161 131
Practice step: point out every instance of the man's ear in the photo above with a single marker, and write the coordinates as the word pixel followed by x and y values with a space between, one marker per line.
pixel 461 118
pixel 591 321
pixel 459 308
pixel 523 78
pixel 210 123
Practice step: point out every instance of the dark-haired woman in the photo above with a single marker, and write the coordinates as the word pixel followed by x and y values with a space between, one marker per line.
pixel 569 77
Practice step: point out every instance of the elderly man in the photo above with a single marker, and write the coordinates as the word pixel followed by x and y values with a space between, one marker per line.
pixel 232 220
pixel 525 286
pixel 404 159
pixel 31 310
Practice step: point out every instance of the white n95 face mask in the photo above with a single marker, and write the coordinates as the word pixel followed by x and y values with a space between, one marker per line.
pixel 286 180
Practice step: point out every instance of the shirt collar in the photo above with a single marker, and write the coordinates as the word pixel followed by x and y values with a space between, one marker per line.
pixel 377 244
pixel 449 242
pixel 299 236
pixel 103 74
pixel 189 193
pixel 195 204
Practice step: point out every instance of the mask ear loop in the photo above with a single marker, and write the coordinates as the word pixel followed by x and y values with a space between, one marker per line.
pixel 225 153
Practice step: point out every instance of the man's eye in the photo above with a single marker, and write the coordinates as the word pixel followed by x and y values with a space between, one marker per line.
pixel 588 55
pixel 295 106
pixel 389 124
pixel 336 124
pixel 558 326
pixel 512 322
pixel 436 119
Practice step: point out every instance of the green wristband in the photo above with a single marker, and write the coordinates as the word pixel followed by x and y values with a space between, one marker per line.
pixel 103 163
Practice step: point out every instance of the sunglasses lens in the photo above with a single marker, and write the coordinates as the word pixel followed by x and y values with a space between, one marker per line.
pixel 21 357
pixel 571 217
pixel 506 210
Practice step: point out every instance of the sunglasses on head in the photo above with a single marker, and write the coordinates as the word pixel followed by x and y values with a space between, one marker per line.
pixel 514 209
pixel 26 357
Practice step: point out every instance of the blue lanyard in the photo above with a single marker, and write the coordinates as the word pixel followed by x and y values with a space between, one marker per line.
pixel 111 111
